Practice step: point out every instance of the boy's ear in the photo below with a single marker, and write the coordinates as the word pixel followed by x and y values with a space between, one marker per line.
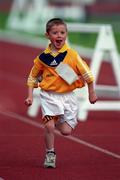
pixel 46 35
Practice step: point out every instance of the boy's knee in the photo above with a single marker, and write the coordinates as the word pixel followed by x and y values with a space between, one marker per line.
pixel 65 129
pixel 66 132
pixel 49 127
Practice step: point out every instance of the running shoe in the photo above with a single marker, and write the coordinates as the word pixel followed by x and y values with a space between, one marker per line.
pixel 50 160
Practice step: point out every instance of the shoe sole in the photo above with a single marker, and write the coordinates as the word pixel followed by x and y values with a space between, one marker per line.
pixel 49 166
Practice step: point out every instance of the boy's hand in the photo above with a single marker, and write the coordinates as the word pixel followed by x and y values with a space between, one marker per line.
pixel 93 98
pixel 28 102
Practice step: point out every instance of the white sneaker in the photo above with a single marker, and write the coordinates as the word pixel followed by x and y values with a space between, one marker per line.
pixel 50 160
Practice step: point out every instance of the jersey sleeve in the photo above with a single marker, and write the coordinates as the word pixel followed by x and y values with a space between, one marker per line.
pixel 35 72
pixel 84 70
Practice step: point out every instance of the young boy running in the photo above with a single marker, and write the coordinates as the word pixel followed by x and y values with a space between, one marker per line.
pixel 62 71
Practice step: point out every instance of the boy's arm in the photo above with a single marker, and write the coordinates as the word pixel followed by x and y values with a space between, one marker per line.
pixel 88 78
pixel 92 93
pixel 29 99
pixel 32 81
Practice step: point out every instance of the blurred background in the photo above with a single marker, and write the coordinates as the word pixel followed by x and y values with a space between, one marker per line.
pixel 30 16
pixel 14 13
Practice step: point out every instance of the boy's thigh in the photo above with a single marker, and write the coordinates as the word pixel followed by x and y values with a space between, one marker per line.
pixel 64 128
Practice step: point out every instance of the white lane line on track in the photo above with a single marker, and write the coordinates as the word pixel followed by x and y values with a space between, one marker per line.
pixel 72 138
pixel 1 178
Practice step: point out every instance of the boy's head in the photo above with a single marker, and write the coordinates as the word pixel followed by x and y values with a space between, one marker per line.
pixel 56 32
pixel 54 21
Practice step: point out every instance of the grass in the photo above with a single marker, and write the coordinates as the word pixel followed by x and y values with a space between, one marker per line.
pixel 3 19
pixel 85 39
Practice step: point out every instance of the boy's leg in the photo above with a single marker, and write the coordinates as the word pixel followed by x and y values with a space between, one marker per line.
pixel 50 158
pixel 49 134
pixel 64 128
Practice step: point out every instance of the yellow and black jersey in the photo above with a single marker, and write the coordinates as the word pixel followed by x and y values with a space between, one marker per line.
pixel 45 65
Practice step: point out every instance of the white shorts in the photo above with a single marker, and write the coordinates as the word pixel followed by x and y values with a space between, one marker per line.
pixel 65 105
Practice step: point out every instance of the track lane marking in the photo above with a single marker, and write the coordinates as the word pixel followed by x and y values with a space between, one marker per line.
pixel 72 138
pixel 1 178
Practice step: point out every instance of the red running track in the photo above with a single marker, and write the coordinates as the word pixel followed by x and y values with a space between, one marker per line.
pixel 92 152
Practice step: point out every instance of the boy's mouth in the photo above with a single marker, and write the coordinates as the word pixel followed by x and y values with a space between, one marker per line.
pixel 58 42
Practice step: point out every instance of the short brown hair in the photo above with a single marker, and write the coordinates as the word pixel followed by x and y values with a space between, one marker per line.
pixel 54 21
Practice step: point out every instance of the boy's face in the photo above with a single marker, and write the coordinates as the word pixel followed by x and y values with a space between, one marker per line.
pixel 57 35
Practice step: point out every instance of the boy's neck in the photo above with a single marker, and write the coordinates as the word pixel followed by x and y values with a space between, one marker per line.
pixel 56 51
pixel 53 49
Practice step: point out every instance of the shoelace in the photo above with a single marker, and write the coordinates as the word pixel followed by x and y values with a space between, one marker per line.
pixel 50 157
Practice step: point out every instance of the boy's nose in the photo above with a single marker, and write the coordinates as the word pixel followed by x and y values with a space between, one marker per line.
pixel 59 34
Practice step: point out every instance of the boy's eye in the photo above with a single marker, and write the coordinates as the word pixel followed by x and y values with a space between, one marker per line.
pixel 62 32
pixel 54 32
